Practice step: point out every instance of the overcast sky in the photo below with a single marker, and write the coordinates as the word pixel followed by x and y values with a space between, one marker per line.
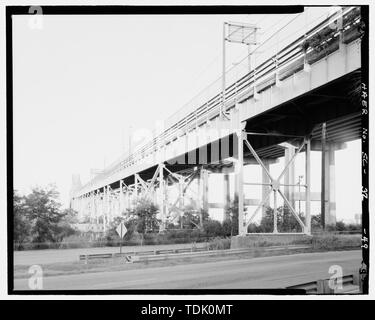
pixel 81 82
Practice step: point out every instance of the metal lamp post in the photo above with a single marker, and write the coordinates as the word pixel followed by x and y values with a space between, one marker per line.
pixel 238 33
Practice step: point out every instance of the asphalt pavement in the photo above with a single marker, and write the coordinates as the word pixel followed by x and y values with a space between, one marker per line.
pixel 253 273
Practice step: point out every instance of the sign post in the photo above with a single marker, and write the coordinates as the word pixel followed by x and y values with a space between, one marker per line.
pixel 121 231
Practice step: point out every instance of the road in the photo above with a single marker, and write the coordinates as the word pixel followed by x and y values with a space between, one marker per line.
pixel 264 272
pixel 31 257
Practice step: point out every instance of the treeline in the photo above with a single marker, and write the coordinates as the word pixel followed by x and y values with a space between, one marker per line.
pixel 143 226
pixel 39 220
pixel 40 223
pixel 286 222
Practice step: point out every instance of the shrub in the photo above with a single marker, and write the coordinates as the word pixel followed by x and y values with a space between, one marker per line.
pixel 228 228
pixel 213 228
pixel 76 241
pixel 219 244
pixel 332 242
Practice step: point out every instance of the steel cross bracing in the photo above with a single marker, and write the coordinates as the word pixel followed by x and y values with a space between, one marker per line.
pixel 103 206
pixel 183 183
pixel 274 184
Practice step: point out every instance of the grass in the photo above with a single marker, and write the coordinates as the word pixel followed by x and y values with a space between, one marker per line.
pixel 325 241
pixel 336 242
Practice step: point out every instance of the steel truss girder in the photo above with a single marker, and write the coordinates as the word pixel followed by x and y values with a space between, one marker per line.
pixel 148 187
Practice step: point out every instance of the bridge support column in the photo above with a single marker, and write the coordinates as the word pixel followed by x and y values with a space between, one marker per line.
pixel 162 193
pixel 199 198
pixel 97 211
pixel 241 136
pixel 289 177
pixel 181 200
pixel 204 175
pixel 101 207
pixel 265 188
pixel 226 196
pixel 92 207
pixel 83 208
pixel 109 205
pixel 109 202
pixel 105 208
pixel 330 203
pixel 135 193
pixel 308 186
pixel 121 200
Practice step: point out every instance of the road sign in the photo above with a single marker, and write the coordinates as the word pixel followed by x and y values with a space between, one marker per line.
pixel 121 230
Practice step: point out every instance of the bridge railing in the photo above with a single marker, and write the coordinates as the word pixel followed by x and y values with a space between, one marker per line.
pixel 282 63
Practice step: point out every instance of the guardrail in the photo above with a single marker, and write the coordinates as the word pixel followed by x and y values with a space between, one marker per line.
pixel 142 253
pixel 282 64
pixel 350 284
pixel 164 254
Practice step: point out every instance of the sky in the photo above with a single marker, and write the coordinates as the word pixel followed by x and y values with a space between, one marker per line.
pixel 82 84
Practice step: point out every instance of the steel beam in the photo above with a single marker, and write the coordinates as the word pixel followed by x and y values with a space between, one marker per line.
pixel 275 211
pixel 162 191
pixel 308 186
pixel 329 203
pixel 226 196
pixel 204 175
pixel 265 188
pixel 323 177
pixel 241 136
pixel 289 177
pixel 121 203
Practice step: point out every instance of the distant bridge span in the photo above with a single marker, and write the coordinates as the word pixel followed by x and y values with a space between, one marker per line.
pixel 280 108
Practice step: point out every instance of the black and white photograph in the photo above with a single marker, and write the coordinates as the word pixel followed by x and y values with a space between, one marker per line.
pixel 188 149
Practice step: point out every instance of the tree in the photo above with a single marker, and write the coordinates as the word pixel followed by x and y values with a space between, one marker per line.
pixel 266 223
pixel 65 227
pixel 340 226
pixel 43 212
pixel 230 226
pixel 145 211
pixel 22 228
pixel 286 222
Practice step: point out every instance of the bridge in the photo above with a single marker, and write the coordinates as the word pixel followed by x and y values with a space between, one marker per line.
pixel 300 99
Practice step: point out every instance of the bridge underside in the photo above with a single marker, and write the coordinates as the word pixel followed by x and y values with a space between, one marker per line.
pixel 337 104
pixel 296 122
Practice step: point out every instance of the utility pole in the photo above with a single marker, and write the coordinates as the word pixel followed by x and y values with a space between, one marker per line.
pixel 222 106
